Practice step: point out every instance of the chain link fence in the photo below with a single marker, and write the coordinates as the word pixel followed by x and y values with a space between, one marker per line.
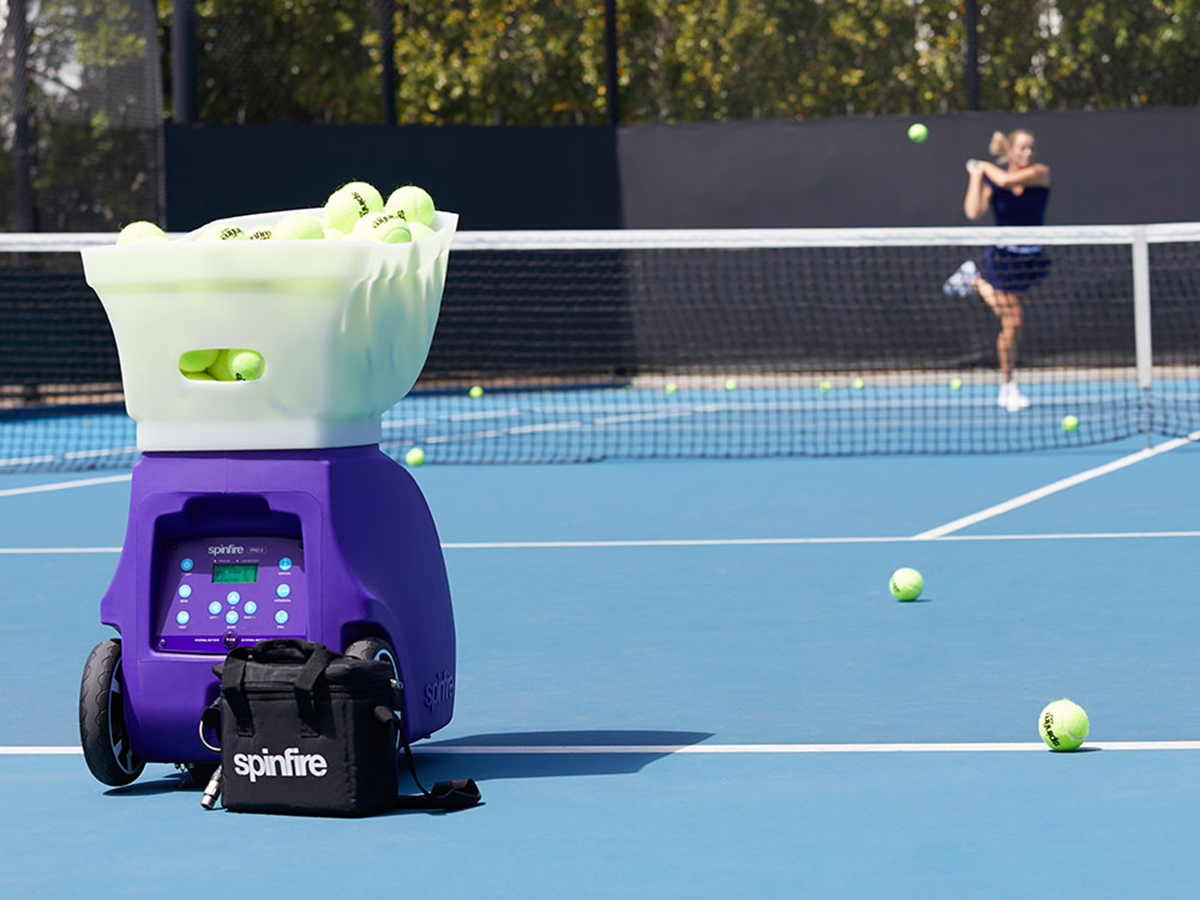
pixel 86 83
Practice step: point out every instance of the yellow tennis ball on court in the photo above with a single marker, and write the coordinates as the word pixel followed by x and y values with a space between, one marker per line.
pixel 298 227
pixel 141 232
pixel 237 365
pixel 349 203
pixel 858 384
pixel 411 203
pixel 223 231
pixel 1069 423
pixel 382 227
pixel 917 133
pixel 475 392
pixel 415 457
pixel 906 584
pixel 671 387
pixel 731 384
pixel 196 360
pixel 956 384
pixel 826 386
pixel 1063 725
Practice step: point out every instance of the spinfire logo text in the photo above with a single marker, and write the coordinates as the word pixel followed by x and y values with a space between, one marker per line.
pixel 289 764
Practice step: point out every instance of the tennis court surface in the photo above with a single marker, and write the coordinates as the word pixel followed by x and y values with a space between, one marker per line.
pixel 689 678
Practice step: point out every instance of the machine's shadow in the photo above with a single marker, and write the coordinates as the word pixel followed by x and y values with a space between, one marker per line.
pixel 548 754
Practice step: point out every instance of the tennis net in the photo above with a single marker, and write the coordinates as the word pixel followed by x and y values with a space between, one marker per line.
pixel 590 345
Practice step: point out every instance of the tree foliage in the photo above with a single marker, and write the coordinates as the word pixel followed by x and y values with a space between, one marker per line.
pixel 95 113
pixel 95 110
pixel 542 62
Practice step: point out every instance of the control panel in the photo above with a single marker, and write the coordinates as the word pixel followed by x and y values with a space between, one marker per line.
pixel 217 593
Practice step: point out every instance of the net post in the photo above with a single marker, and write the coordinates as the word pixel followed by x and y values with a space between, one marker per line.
pixel 387 45
pixel 184 106
pixel 612 84
pixel 23 200
pixel 1141 319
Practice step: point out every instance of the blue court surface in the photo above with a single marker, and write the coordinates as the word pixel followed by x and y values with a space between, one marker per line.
pixel 689 679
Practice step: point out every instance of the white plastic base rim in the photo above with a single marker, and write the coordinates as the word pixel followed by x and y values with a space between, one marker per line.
pixel 290 434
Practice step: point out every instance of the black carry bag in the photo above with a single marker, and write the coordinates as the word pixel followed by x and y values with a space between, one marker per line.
pixel 307 731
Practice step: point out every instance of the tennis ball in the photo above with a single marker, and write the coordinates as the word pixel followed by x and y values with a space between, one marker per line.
pixel 475 392
pixel 198 376
pixel 298 227
pixel 223 231
pixel 419 231
pixel 917 133
pixel 384 227
pixel 415 457
pixel 826 386
pixel 731 384
pixel 411 203
pixel 858 384
pixel 671 387
pixel 349 203
pixel 906 584
pixel 1069 423
pixel 196 360
pixel 141 232
pixel 956 384
pixel 1063 725
pixel 261 234
pixel 237 365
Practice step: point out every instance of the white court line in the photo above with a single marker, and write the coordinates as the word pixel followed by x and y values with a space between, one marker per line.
pixel 13 551
pixel 65 485
pixel 1060 485
pixel 601 749
pixel 745 542
pixel 713 749
pixel 716 542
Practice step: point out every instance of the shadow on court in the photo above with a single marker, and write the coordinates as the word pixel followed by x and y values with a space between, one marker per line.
pixel 549 754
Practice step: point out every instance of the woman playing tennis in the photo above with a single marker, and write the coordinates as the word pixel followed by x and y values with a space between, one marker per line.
pixel 1016 188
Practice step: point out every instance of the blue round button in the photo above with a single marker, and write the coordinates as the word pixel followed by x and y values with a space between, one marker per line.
pixel 285 564
pixel 231 617
pixel 185 590
pixel 186 565
pixel 250 607
pixel 183 617
pixel 281 617
pixel 232 598
pixel 215 607
pixel 283 590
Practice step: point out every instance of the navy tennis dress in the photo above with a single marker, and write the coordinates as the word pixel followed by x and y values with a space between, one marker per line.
pixel 1011 268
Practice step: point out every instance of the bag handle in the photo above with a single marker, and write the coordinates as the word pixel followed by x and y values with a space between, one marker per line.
pixel 306 681
pixel 457 793
pixel 286 650
pixel 233 676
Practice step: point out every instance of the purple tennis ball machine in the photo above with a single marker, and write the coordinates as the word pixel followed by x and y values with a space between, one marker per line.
pixel 265 508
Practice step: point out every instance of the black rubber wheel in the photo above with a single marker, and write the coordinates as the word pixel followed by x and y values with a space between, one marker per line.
pixel 374 648
pixel 102 731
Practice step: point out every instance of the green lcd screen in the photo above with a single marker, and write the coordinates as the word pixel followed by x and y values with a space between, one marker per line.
pixel 235 573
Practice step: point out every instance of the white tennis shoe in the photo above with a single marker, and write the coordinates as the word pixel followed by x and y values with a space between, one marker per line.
pixel 1011 397
pixel 960 283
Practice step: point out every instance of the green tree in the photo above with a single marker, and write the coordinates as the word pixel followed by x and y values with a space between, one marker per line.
pixel 541 62
pixel 1113 54
pixel 95 102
